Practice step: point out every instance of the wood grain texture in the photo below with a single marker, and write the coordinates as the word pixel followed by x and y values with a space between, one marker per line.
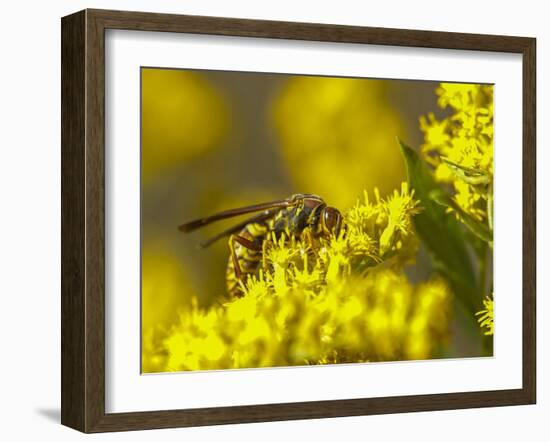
pixel 529 220
pixel 145 21
pixel 95 221
pixel 73 129
pixel 83 220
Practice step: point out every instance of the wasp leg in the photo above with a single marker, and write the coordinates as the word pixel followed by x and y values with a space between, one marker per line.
pixel 245 243
pixel 308 237
pixel 310 241
pixel 264 254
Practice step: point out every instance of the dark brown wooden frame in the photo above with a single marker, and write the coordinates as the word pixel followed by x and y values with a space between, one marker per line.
pixel 83 216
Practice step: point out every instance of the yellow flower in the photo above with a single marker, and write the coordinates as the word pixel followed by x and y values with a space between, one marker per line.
pixel 486 316
pixel 378 316
pixel 399 210
pixel 382 229
pixel 460 147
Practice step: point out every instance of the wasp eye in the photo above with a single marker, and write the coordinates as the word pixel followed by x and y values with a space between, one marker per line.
pixel 329 218
pixel 332 220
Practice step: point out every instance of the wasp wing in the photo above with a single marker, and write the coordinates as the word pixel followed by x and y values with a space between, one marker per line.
pixel 198 223
pixel 264 216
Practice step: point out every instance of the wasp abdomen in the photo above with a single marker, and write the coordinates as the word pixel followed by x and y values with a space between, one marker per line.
pixel 248 259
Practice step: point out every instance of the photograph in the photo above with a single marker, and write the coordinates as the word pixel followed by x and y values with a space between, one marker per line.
pixel 299 220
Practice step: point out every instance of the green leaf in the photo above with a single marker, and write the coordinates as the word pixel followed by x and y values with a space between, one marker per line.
pixel 478 228
pixel 440 232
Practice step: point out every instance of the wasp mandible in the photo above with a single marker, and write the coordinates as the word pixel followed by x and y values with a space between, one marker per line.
pixel 291 216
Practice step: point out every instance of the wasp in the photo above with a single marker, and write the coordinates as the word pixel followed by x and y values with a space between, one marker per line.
pixel 291 216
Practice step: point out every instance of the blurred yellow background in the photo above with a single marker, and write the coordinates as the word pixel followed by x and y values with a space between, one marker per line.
pixel 214 140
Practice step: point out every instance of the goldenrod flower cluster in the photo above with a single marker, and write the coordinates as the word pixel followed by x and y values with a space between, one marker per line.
pixel 341 299
pixel 460 147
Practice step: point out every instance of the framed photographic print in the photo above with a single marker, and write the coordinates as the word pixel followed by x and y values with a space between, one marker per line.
pixel 268 220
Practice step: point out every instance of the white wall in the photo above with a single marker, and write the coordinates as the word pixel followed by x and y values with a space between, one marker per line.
pixel 30 219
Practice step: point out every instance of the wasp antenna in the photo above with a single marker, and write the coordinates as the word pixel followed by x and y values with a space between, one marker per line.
pixel 190 226
pixel 204 244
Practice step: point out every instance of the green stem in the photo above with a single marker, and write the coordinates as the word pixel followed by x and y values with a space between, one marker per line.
pixel 483 258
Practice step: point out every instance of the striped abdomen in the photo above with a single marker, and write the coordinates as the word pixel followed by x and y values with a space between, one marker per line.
pixel 249 260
